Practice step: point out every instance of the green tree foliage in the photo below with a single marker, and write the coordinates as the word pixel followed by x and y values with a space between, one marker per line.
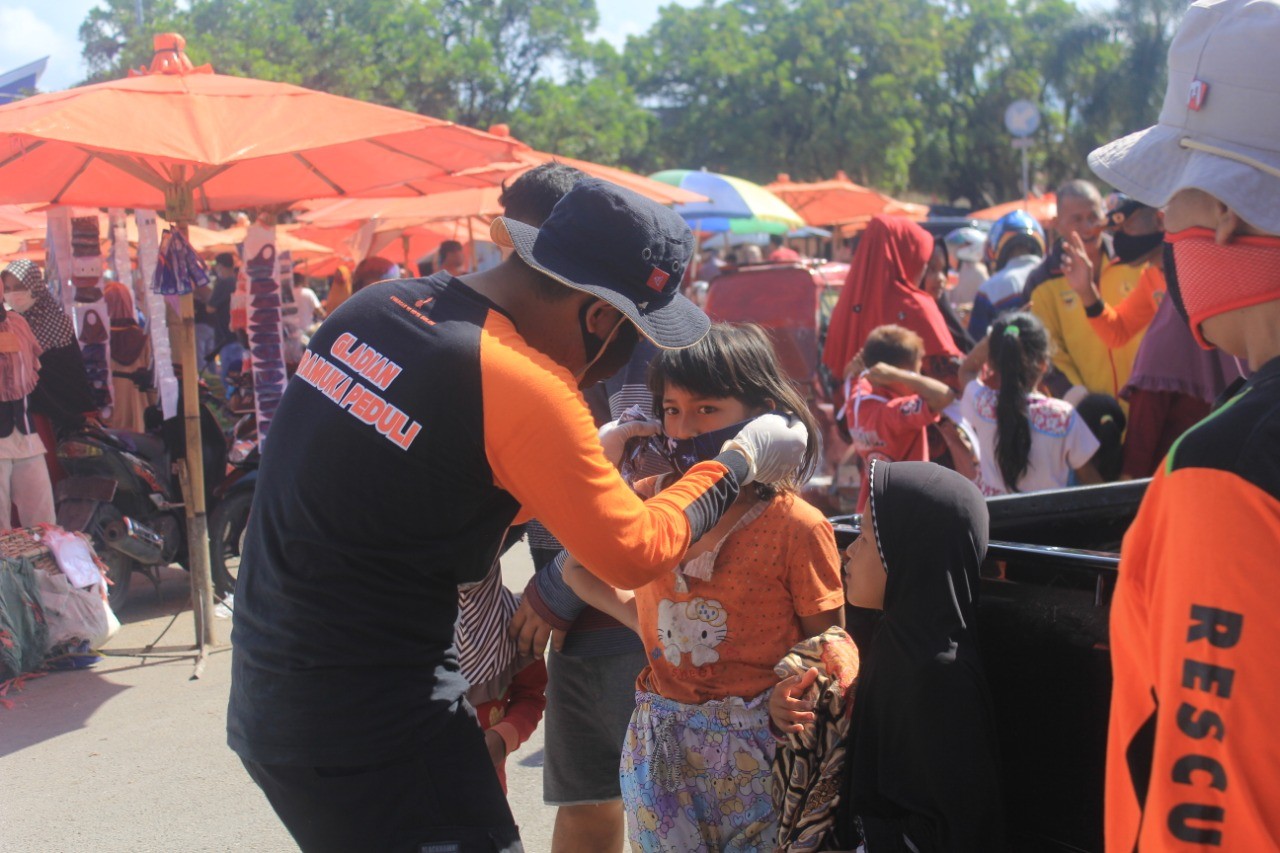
pixel 474 61
pixel 900 94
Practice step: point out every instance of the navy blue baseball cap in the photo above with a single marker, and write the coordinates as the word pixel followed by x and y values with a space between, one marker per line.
pixel 618 246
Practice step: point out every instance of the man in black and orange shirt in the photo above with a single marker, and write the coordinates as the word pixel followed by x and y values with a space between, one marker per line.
pixel 1193 755
pixel 426 417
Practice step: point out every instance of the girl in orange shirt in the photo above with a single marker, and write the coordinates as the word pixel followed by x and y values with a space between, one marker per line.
pixel 696 762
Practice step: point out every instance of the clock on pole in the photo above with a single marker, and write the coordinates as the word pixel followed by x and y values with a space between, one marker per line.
pixel 1022 118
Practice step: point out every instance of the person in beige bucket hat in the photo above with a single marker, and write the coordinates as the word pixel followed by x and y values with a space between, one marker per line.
pixel 1193 755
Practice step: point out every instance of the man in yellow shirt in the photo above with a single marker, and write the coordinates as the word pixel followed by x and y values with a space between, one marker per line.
pixel 1085 363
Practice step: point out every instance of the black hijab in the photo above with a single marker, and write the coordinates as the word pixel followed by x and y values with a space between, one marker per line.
pixel 925 762
pixel 959 334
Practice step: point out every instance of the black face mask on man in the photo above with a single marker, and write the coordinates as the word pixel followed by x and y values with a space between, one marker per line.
pixel 1130 248
pixel 607 355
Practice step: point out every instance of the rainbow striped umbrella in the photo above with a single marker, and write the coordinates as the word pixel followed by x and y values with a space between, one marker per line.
pixel 734 205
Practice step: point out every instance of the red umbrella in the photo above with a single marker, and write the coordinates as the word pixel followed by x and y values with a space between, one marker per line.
pixel 184 140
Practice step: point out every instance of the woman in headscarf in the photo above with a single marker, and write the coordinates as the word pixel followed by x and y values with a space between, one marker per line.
pixel 339 289
pixel 372 270
pixel 924 770
pixel 24 479
pixel 934 283
pixel 130 359
pixel 883 287
pixel 62 398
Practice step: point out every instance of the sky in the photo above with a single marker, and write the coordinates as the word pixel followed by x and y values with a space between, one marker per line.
pixel 30 29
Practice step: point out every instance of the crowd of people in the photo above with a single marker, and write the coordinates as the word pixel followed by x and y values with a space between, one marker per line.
pixel 683 640
pixel 700 691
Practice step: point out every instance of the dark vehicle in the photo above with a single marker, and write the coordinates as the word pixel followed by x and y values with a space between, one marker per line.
pixel 1044 606
pixel 941 226
pixel 792 302
pixel 121 490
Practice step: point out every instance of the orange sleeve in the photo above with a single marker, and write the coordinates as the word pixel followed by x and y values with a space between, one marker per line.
pixel 1118 324
pixel 544 451
pixel 1193 760
pixel 814 568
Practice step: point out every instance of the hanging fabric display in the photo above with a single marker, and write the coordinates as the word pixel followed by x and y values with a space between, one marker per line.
pixel 157 321
pixel 240 298
pixel 266 344
pixel 179 270
pixel 289 327
pixel 127 273
pixel 58 255
pixel 93 326
pixel 118 224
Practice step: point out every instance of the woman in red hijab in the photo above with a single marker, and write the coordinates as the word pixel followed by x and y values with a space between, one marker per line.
pixel 883 287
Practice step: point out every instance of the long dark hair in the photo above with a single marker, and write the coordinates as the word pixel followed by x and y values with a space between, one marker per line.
pixel 1019 353
pixel 737 361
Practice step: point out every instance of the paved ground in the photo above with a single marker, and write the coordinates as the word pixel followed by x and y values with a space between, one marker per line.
pixel 131 755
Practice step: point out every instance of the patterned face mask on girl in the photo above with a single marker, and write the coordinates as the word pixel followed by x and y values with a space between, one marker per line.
pixel 684 453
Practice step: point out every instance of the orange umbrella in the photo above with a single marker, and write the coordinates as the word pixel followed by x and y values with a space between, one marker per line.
pixel 1044 208
pixel 320 267
pixel 524 158
pixel 187 140
pixel 184 139
pixel 479 201
pixel 408 245
pixel 833 202
pixel 457 204
pixel 16 217
pixel 207 241
pixel 906 209
pixel 10 245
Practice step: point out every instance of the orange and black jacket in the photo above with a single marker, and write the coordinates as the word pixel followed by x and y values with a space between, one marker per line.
pixel 1193 760
pixel 419 427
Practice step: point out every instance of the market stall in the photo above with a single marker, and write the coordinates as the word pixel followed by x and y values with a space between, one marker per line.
pixel 186 140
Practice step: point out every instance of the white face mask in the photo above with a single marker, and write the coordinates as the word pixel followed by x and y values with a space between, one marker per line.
pixel 21 300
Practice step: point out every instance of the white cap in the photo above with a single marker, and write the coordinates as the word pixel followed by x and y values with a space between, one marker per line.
pixel 1219 128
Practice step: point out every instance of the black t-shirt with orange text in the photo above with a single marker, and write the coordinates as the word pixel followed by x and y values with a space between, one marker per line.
pixel 419 426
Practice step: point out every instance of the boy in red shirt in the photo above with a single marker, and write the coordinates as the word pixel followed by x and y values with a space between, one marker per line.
pixel 890 403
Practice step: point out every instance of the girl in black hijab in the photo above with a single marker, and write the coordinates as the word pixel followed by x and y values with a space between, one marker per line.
pixel 934 283
pixel 924 771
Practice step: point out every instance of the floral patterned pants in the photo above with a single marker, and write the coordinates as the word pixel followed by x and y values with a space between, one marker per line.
pixel 697 777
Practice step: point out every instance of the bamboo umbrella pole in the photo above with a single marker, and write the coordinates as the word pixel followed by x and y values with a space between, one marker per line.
pixel 178 211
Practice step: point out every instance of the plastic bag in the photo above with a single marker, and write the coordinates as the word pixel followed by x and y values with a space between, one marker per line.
pixel 73 555
pixel 73 614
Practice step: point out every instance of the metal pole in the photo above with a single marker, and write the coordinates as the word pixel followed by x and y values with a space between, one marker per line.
pixel 1026 180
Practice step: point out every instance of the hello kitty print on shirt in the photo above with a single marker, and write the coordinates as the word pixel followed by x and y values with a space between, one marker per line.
pixel 692 628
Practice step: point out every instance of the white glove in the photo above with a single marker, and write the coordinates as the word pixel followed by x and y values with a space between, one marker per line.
pixel 614 436
pixel 774 446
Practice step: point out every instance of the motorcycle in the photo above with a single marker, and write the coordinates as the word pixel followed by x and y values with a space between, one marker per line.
pixel 230 516
pixel 121 490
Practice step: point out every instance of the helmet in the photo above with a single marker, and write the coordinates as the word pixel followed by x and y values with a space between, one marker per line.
pixel 965 244
pixel 1015 228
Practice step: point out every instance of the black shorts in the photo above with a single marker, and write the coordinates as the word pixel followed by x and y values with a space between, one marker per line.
pixel 442 798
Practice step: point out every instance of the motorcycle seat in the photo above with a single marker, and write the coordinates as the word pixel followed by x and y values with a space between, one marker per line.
pixel 149 447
